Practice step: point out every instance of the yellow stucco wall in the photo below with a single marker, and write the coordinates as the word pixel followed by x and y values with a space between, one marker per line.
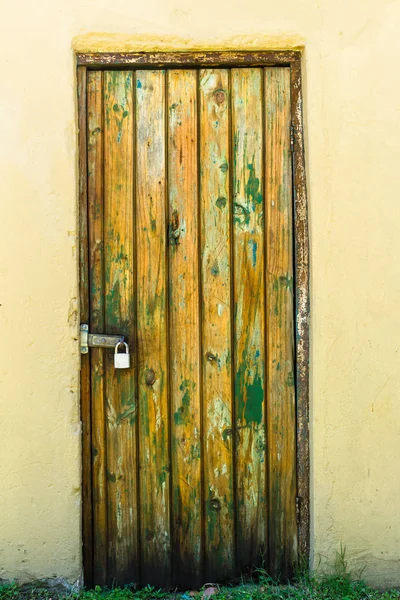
pixel 352 85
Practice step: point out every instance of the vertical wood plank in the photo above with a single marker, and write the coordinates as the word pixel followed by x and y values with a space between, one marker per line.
pixel 249 310
pixel 120 316
pixel 215 203
pixel 281 417
pixel 184 328
pixel 97 324
pixel 152 329
pixel 84 317
pixel 302 311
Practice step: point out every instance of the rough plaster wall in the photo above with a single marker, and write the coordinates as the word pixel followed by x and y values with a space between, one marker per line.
pixel 352 85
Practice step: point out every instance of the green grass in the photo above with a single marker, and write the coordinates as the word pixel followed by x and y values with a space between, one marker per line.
pixel 335 587
pixel 342 584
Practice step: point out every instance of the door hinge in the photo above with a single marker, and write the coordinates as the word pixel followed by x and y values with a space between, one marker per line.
pixel 98 340
pixel 298 507
pixel 291 138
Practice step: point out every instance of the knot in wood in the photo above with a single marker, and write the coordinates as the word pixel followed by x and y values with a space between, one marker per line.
pixel 150 377
pixel 219 96
pixel 215 504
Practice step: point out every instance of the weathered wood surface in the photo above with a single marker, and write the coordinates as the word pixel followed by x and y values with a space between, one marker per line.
pixel 97 321
pixel 120 317
pixel 210 59
pixel 215 202
pixel 190 251
pixel 302 310
pixel 152 346
pixel 249 311
pixel 281 418
pixel 184 327
pixel 84 315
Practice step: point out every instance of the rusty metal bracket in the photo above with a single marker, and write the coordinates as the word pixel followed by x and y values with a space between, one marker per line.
pixel 98 340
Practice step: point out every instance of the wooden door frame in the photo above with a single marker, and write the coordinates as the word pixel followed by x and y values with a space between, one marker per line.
pixel 167 60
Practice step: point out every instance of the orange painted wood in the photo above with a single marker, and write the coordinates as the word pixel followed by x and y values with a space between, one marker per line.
pixel 249 315
pixel 184 327
pixel 280 335
pixel 120 318
pixel 215 202
pixel 152 345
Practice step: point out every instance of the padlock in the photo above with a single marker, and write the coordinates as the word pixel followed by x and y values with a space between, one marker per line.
pixel 122 360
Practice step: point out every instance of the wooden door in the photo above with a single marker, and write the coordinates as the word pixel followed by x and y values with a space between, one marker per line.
pixel 192 466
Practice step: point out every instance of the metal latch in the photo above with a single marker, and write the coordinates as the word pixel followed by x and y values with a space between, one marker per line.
pixel 98 340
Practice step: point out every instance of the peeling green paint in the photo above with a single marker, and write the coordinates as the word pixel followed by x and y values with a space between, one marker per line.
pixel 130 413
pixel 144 413
pixel 120 256
pixel 286 281
pixel 117 94
pixel 128 82
pixel 227 435
pixel 215 268
pixel 156 302
pixel 113 300
pixel 254 401
pixel 290 379
pixel 194 453
pixel 253 184
pixel 250 393
pixel 162 477
pixel 241 214
pixel 182 414
pixel 253 249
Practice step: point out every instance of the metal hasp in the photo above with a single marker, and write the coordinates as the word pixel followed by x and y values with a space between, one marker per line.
pixel 98 340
